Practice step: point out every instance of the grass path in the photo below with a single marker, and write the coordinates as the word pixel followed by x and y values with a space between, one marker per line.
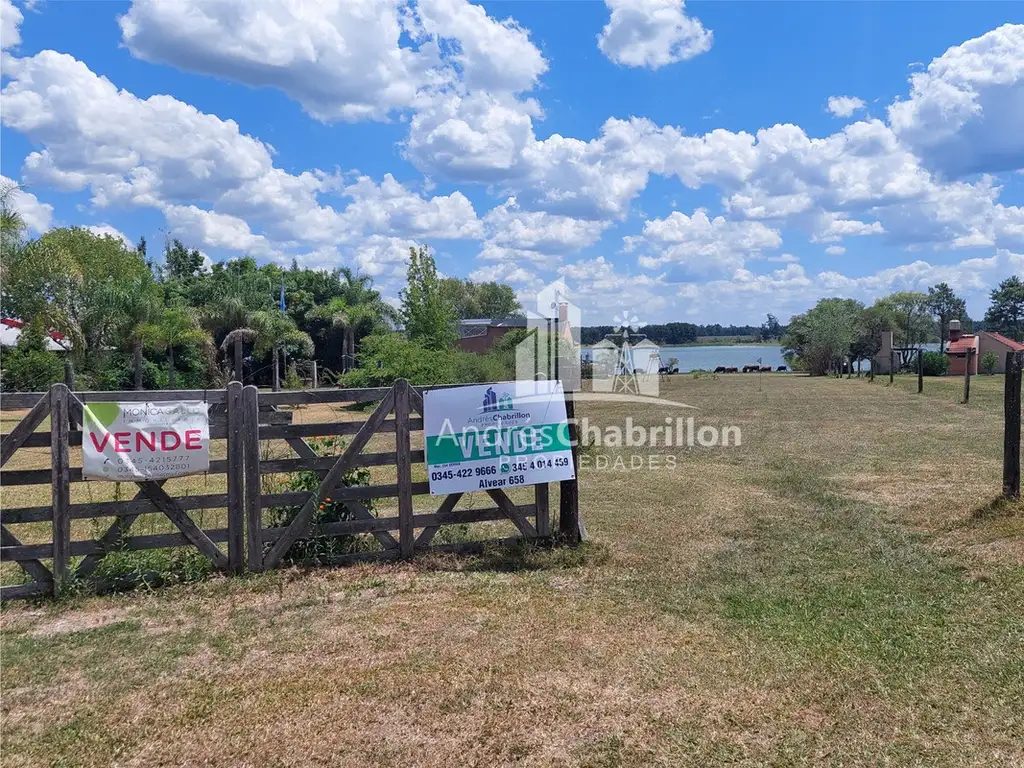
pixel 837 590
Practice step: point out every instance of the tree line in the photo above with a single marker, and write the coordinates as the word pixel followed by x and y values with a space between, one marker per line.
pixel 128 320
pixel 835 330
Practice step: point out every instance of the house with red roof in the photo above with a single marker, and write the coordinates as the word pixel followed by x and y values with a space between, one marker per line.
pixel 10 331
pixel 978 345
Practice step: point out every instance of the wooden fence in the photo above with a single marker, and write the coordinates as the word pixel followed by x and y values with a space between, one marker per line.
pixel 247 421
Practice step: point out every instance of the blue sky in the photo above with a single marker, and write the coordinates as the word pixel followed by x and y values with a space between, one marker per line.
pixel 709 162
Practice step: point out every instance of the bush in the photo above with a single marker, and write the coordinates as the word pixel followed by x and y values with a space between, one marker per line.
pixel 935 364
pixel 387 357
pixel 29 370
pixel 989 362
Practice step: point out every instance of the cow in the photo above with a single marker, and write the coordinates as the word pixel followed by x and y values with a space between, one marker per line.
pixel 750 369
pixel 732 369
pixel 766 369
pixel 781 369
pixel 720 369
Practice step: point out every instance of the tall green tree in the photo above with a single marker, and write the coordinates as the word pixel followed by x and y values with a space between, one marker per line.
pixel 137 302
pixel 820 339
pixel 230 312
pixel 173 328
pixel 274 331
pixel 1006 312
pixel 944 306
pixel 429 315
pixel 472 300
pixel 64 279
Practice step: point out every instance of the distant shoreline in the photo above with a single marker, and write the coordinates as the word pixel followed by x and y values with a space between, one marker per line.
pixel 712 344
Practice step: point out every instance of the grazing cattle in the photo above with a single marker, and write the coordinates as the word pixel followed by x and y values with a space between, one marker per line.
pixel 781 369
pixel 766 369
pixel 720 369
pixel 750 369
pixel 732 369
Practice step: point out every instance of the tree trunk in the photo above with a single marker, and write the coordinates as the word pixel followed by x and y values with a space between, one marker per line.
pixel 137 352
pixel 277 370
pixel 170 367
pixel 238 359
pixel 351 335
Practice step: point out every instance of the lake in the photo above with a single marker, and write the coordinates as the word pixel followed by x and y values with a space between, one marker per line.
pixel 710 357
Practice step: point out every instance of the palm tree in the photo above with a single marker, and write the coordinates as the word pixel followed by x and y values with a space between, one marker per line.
pixel 137 303
pixel 232 313
pixel 274 331
pixel 357 312
pixel 175 327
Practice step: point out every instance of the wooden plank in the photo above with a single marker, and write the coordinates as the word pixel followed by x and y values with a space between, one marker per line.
pixel 19 400
pixel 569 525
pixel 416 402
pixel 384 524
pixel 33 568
pixel 967 376
pixel 512 511
pixel 541 493
pixel 302 520
pixel 323 464
pixel 308 397
pixel 180 518
pixel 403 465
pixel 24 591
pixel 253 490
pixel 137 506
pixel 328 429
pixel 340 493
pixel 1011 425
pixel 236 480
pixel 60 484
pixel 443 514
pixel 95 547
pixel 17 436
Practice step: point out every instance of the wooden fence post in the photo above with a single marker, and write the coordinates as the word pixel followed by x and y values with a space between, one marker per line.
pixel 871 369
pixel 967 377
pixel 920 371
pixel 60 484
pixel 251 473
pixel 541 494
pixel 892 365
pixel 403 464
pixel 569 491
pixel 236 479
pixel 1011 429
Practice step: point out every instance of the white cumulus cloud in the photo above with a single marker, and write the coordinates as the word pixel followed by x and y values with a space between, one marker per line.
pixel 651 33
pixel 844 106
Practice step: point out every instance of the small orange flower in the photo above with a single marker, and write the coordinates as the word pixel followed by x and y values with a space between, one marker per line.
pixel 321 506
pixel 327 499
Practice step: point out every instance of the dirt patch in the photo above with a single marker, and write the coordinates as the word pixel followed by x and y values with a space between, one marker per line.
pixel 78 621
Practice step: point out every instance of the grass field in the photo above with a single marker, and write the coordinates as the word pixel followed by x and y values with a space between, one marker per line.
pixel 841 589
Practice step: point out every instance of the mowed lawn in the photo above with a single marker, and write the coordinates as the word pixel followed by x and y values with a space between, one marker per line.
pixel 840 589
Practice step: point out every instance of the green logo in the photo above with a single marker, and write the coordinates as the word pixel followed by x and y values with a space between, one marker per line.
pixel 103 414
pixel 505 402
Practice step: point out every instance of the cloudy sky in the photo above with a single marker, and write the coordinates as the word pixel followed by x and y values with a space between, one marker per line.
pixel 709 162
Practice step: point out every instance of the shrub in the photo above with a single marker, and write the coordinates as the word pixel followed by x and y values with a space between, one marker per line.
pixel 989 361
pixel 387 357
pixel 29 370
pixel 321 547
pixel 935 363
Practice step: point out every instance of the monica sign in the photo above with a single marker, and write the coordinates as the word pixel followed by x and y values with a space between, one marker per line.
pixel 484 437
pixel 145 441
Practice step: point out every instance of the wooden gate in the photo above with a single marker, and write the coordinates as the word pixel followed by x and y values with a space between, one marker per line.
pixel 243 424
pixel 65 411
pixel 399 414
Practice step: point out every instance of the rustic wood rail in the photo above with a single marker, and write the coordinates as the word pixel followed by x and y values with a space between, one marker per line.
pixel 246 421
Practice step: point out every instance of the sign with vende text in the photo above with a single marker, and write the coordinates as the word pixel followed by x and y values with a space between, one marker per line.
pixel 145 441
pixel 487 436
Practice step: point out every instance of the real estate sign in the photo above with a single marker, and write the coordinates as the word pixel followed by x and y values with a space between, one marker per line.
pixel 487 436
pixel 145 441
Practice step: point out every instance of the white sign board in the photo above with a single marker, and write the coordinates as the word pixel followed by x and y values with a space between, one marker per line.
pixel 145 441
pixel 485 437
